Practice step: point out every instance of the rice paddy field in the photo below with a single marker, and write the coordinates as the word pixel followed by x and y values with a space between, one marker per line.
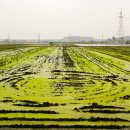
pixel 64 87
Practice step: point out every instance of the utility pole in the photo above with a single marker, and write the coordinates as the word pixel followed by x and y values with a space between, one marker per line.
pixel 102 38
pixel 121 27
pixel 8 38
pixel 39 39
pixel 70 37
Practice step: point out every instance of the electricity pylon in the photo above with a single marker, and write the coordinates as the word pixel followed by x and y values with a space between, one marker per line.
pixel 121 27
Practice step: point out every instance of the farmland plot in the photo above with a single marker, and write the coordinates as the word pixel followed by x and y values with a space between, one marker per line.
pixel 64 87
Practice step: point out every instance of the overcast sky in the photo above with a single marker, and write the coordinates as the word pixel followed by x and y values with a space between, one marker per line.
pixel 25 19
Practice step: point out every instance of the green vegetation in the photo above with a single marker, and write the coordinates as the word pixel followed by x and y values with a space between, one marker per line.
pixel 60 86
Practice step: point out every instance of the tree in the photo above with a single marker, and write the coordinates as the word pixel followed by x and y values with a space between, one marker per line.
pixel 113 38
pixel 127 42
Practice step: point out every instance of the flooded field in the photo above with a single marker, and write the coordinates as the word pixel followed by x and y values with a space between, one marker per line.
pixel 64 87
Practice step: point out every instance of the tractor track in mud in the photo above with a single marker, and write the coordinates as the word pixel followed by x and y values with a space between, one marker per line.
pixel 19 72
pixel 62 74
pixel 93 61
pixel 101 61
